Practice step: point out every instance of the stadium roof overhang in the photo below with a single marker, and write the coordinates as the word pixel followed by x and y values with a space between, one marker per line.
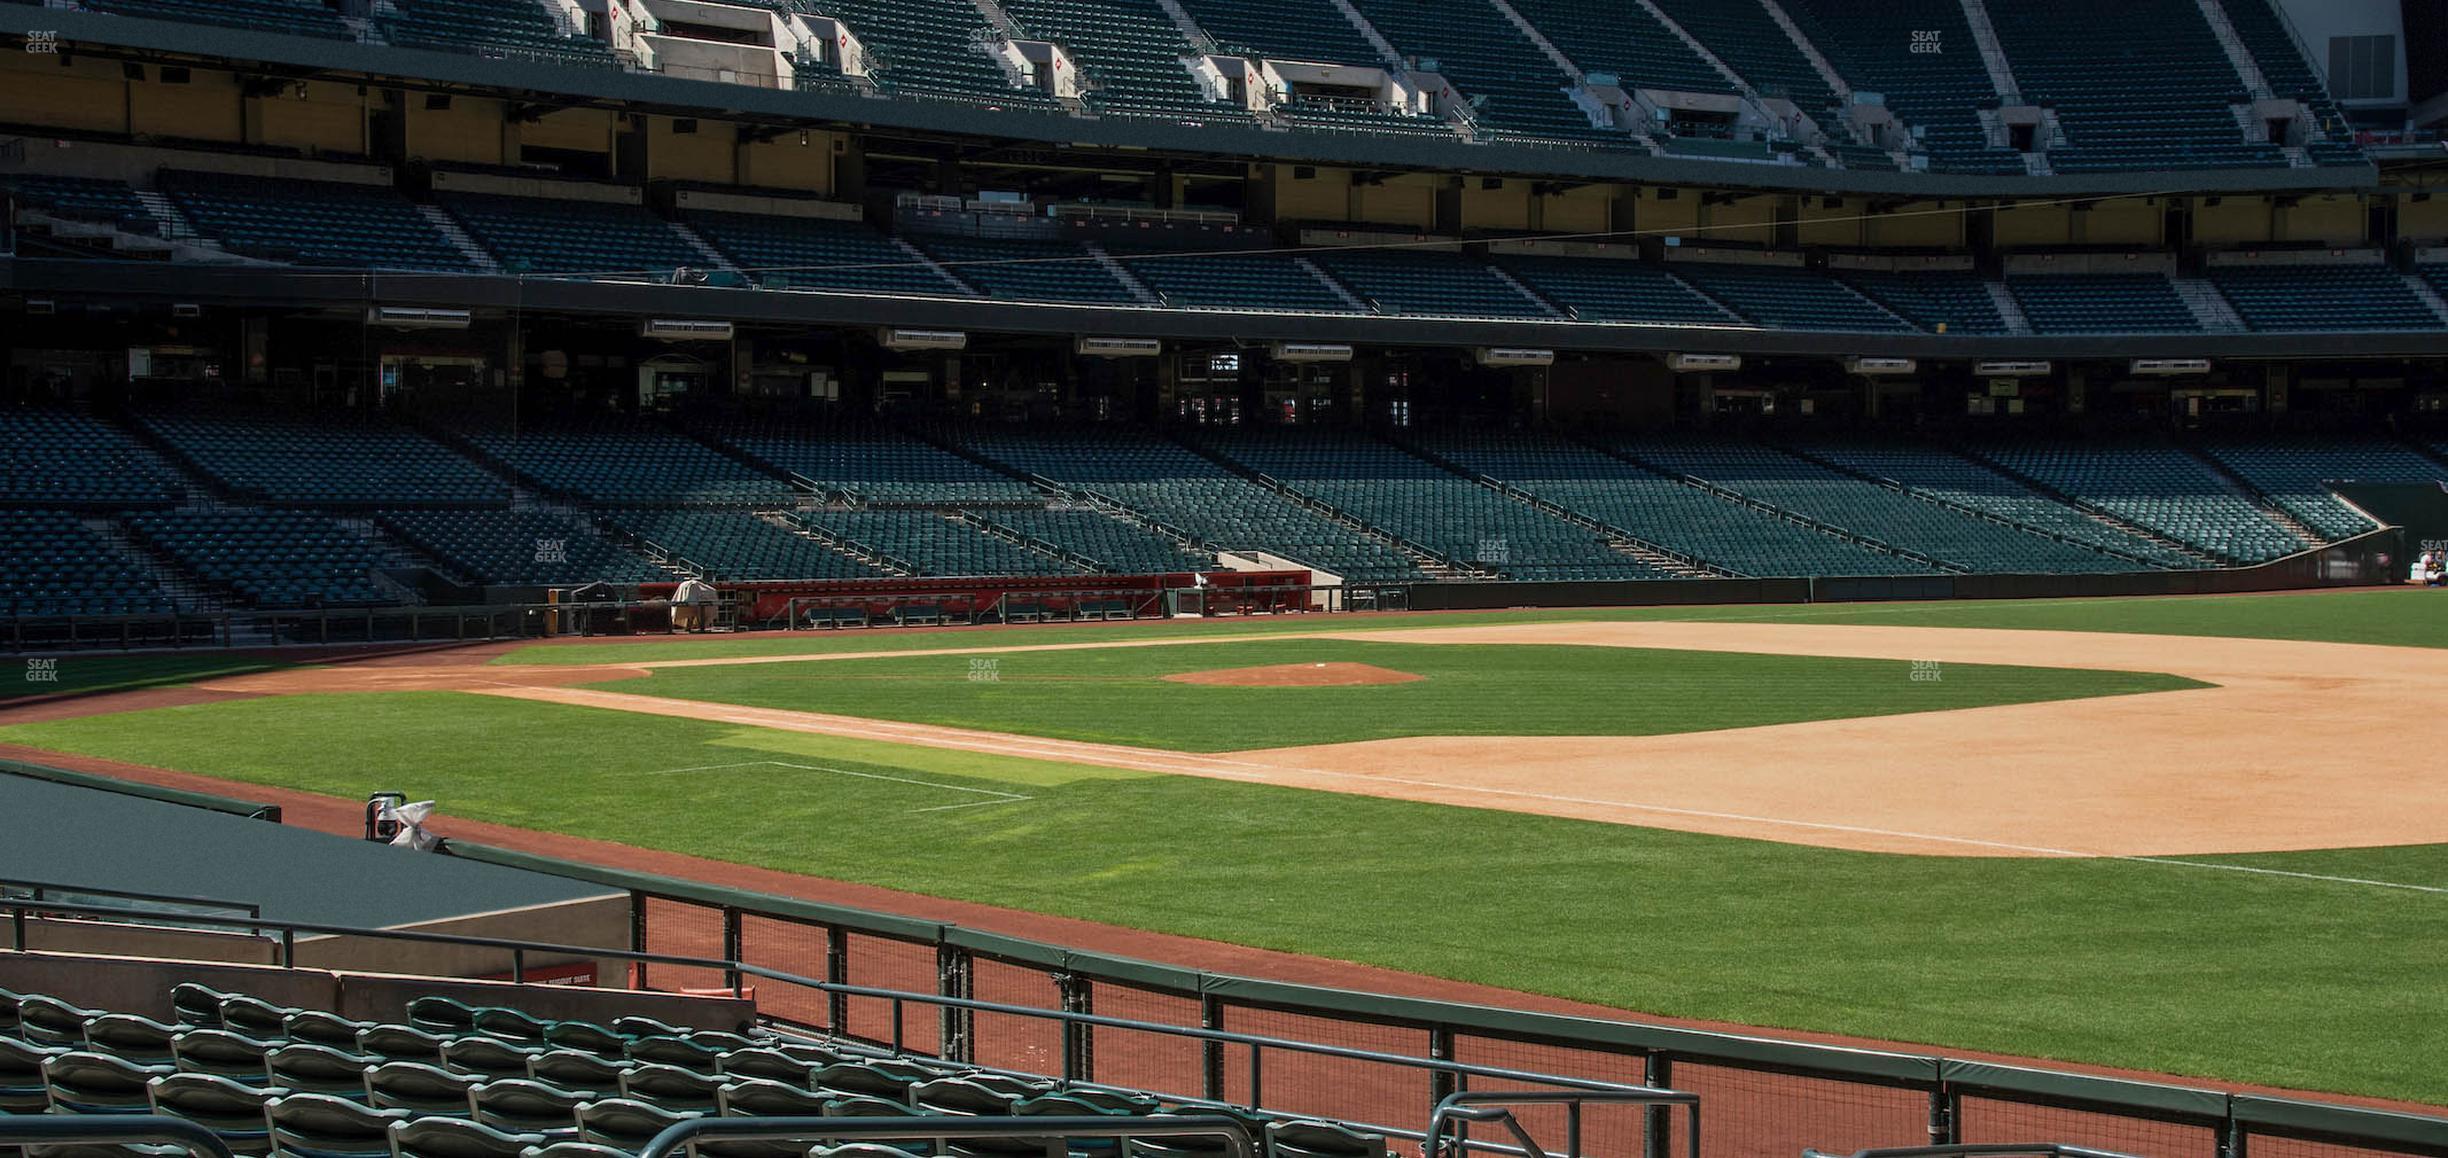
pixel 132 283
pixel 307 57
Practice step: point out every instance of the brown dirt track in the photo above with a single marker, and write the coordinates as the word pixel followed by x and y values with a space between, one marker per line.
pixel 2188 760
pixel 1297 675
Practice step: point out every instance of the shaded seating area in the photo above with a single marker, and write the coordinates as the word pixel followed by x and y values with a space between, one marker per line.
pixel 58 567
pixel 326 223
pixel 269 558
pixel 522 546
pixel 330 458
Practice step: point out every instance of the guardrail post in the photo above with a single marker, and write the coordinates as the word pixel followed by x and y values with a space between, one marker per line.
pixel 1442 1083
pixel 1079 1039
pixel 731 947
pixel 17 928
pixel 1211 1016
pixel 955 976
pixel 1945 1123
pixel 637 937
pixel 288 948
pixel 837 971
pixel 1657 1072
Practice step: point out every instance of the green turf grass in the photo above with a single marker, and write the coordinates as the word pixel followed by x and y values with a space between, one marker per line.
pixel 2399 617
pixel 1117 695
pixel 82 674
pixel 2223 975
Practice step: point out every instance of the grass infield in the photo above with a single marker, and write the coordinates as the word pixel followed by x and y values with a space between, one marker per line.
pixel 1119 696
pixel 2157 966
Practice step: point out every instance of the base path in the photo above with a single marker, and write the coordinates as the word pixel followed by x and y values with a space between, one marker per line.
pixel 2299 746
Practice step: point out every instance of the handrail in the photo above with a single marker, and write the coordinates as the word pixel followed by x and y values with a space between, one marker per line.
pixel 739 970
pixel 682 1135
pixel 1970 1150
pixel 247 907
pixel 60 1129
pixel 1492 1106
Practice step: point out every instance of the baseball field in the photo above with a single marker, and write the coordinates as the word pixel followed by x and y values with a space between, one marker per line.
pixel 2200 837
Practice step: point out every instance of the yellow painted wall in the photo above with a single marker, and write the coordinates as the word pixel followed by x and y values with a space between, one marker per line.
pixel 2033 225
pixel 331 119
pixel 2234 220
pixel 2123 221
pixel 1751 219
pixel 784 163
pixel 469 131
pixel 1324 197
pixel 2423 220
pixel 1657 217
pixel 1582 210
pixel 206 108
pixel 1505 207
pixel 1408 201
pixel 85 94
pixel 709 154
pixel 1817 224
pixel 1919 223
pixel 2333 218
pixel 578 130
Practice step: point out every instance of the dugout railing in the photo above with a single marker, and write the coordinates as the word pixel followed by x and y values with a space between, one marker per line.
pixel 948 991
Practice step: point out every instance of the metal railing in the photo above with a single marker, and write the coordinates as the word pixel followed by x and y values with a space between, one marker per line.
pixel 1459 1110
pixel 2032 1150
pixel 106 1129
pixel 683 1136
pixel 41 892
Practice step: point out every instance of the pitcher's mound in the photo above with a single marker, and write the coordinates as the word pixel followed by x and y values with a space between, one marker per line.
pixel 1297 675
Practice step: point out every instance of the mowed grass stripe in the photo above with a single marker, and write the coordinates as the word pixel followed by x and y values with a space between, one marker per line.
pixel 2393 617
pixel 2189 971
pixel 1120 696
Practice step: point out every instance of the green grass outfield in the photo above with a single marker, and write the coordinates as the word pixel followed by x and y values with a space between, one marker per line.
pixel 2403 617
pixel 1118 696
pixel 2307 983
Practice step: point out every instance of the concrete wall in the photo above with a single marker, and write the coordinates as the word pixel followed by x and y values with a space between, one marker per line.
pixel 142 985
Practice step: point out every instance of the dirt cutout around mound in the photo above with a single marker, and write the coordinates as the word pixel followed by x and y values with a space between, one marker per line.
pixel 1297 675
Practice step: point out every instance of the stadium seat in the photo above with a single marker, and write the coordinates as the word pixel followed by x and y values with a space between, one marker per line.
pixel 672 1088
pixel 23 1088
pixel 420 1089
pixel 625 1124
pixel 233 1111
pixel 85 1082
pixel 221 1053
pixel 323 1126
pixel 522 1106
pixel 317 1069
pixel 46 1020
pixel 458 1138
pixel 131 1038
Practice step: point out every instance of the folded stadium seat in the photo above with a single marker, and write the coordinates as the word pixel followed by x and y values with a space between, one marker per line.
pixel 578 1072
pixel 319 1069
pixel 520 1105
pixel 125 1035
pixel 871 1079
pixel 221 1053
pixel 675 1051
pixel 626 1124
pixel 9 1001
pixel 1102 1101
pixel 85 1082
pixel 441 1015
pixel 318 1027
pixel 1314 1139
pixel 1596 289
pixel 862 1106
pixel 1199 1147
pixel 478 27
pixel 762 1098
pixel 2322 297
pixel 1047 271
pixel 255 1017
pixel 771 1064
pixel 586 1037
pixel 962 1096
pixel 591 1150
pixel 47 1020
pixel 535 235
pixel 400 1043
pixel 322 1126
pixel 722 1041
pixel 96 199
pixel 510 1025
pixel 672 1088
pixel 291 17
pixel 313 223
pixel 818 253
pixel 862 1150
pixel 233 1111
pixel 1426 283
pixel 1268 282
pixel 636 1027
pixel 420 1089
pixel 487 1057
pixel 22 1087
pixel 458 1138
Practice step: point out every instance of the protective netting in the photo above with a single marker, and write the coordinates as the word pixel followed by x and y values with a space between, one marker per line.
pixel 1350 1089
pixel 1750 1112
pixel 1011 1041
pixel 792 947
pixel 1993 1120
pixel 1141 1059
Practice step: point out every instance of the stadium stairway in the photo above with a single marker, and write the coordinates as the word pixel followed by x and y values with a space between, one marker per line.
pixel 2099 514
pixel 1805 454
pixel 1651 554
pixel 1433 563
pixel 2243 488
